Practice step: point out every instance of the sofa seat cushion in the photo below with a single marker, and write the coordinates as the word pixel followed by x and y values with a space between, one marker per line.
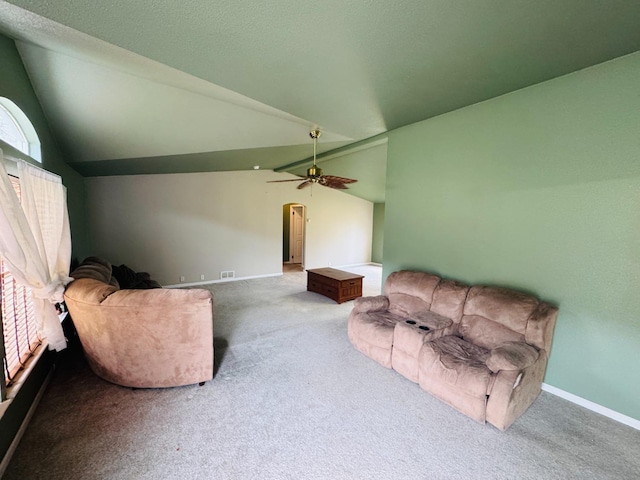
pixel 372 334
pixel 376 328
pixel 512 356
pixel 454 361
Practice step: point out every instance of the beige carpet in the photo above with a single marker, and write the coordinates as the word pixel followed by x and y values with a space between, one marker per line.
pixel 292 399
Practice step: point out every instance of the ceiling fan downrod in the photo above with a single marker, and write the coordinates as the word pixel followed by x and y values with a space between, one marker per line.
pixel 314 173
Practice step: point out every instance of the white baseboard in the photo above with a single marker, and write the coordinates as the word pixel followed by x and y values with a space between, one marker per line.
pixel 266 275
pixel 234 279
pixel 594 407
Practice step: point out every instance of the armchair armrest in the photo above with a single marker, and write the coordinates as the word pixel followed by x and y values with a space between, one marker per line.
pixel 162 299
pixel 371 304
pixel 512 356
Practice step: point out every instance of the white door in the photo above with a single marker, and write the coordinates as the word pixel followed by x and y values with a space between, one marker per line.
pixel 296 233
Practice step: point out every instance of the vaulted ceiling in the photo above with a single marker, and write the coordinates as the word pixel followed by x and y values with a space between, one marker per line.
pixel 159 86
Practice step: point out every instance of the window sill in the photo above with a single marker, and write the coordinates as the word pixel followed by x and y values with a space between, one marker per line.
pixel 21 377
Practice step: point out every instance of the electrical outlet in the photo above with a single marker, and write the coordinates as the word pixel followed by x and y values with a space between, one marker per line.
pixel 202 277
pixel 182 278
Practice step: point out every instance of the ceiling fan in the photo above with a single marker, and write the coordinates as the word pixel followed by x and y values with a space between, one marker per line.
pixel 314 174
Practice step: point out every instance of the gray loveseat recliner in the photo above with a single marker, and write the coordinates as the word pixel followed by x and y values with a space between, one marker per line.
pixel 483 350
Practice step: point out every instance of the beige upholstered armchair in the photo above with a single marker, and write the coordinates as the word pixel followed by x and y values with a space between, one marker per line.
pixel 141 338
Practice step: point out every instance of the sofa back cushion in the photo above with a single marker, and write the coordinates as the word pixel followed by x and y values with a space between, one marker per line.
pixel 506 307
pixel 409 291
pixel 486 333
pixel 448 299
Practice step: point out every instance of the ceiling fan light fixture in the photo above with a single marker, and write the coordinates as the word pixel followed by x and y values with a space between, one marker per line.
pixel 314 173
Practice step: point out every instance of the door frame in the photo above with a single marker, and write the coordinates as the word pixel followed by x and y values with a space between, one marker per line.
pixel 302 210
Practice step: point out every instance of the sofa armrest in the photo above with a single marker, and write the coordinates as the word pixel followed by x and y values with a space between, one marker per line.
pixel 371 304
pixel 514 391
pixel 512 356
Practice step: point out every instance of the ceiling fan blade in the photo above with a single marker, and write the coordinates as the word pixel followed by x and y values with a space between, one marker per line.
pixel 332 184
pixel 336 182
pixel 304 184
pixel 333 178
pixel 290 180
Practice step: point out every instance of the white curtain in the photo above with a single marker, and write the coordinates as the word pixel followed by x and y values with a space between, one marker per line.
pixel 35 242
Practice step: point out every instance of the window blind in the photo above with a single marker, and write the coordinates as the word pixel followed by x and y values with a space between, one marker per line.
pixel 20 333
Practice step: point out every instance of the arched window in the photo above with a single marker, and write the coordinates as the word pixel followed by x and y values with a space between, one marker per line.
pixel 19 335
pixel 17 130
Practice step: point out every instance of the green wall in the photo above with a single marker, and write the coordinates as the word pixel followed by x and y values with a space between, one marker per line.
pixel 378 233
pixel 18 409
pixel 15 85
pixel 537 190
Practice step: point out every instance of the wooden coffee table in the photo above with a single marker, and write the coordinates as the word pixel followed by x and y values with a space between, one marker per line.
pixel 335 284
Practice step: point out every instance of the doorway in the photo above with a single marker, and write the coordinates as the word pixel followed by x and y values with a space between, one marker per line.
pixel 293 235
